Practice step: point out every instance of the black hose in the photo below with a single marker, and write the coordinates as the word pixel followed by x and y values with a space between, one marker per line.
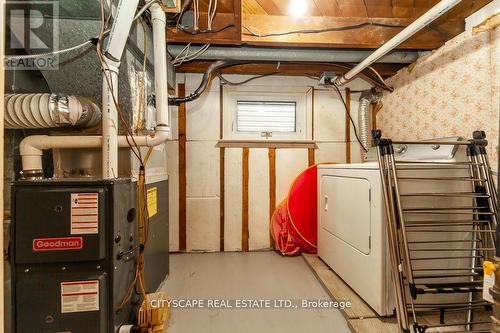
pixel 207 77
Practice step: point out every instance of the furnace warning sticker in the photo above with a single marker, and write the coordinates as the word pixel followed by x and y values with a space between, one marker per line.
pixel 152 199
pixel 79 296
pixel 84 213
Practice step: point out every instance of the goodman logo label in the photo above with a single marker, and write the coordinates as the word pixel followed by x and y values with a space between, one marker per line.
pixel 57 244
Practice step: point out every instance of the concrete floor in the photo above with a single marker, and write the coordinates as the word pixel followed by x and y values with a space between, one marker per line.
pixel 242 276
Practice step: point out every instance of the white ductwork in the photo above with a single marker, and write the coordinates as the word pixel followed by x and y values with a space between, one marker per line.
pixel 31 147
pixel 24 111
pixel 365 118
pixel 251 53
pixel 424 20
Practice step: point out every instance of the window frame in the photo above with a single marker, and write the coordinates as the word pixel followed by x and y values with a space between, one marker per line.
pixel 268 94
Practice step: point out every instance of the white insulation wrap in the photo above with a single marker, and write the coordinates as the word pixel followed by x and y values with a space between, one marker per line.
pixel 23 111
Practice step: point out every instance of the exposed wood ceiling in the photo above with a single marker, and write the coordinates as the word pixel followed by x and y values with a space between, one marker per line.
pixel 270 16
pixel 250 17
pixel 358 8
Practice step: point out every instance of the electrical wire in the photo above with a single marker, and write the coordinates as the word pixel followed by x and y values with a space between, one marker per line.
pixel 196 16
pixel 225 81
pixel 91 41
pixel 315 31
pixel 211 15
pixel 104 67
pixel 350 118
pixel 230 83
pixel 52 53
pixel 206 31
pixel 143 218
pixel 144 8
pixel 189 57
pixel 207 78
pixel 185 5
pixel 184 52
pixel 378 75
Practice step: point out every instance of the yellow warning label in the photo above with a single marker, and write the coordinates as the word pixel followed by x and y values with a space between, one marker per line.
pixel 152 200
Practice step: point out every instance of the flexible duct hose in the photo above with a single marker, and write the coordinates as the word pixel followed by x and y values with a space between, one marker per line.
pixel 365 118
pixel 24 111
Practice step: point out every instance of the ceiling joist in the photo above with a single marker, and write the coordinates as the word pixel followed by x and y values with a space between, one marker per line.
pixel 271 16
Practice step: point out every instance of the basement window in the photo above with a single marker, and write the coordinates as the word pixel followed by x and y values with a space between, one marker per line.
pixel 266 113
pixel 266 117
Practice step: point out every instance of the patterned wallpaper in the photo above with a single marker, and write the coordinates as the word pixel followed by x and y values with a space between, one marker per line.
pixel 452 91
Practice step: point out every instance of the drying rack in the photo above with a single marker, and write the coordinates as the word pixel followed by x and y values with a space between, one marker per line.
pixel 438 239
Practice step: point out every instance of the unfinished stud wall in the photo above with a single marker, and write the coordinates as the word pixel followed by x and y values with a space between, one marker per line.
pixel 449 92
pixel 203 164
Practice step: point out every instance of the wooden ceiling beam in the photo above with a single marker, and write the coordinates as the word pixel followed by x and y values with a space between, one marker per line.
pixel 366 37
pixel 223 6
pixel 253 7
pixel 293 69
pixel 229 36
pixel 328 7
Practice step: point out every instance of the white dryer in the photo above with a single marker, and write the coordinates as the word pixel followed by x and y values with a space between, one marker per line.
pixel 351 222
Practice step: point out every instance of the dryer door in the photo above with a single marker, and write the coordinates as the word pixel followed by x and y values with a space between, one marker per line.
pixel 346 210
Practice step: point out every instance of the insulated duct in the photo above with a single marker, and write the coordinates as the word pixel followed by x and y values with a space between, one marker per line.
pixel 248 53
pixel 25 111
pixel 365 120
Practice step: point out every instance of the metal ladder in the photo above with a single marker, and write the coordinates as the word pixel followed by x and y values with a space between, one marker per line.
pixel 439 233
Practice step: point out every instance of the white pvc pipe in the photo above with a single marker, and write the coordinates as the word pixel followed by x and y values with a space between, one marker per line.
pixel 424 20
pixel 160 65
pixel 109 123
pixel 113 53
pixel 31 147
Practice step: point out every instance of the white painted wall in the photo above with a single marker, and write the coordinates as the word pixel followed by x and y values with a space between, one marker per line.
pixel 203 192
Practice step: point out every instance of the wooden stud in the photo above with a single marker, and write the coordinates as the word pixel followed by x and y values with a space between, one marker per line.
pixel 376 108
pixel 222 206
pixel 311 156
pixel 245 233
pixel 272 190
pixel 222 173
pixel 348 126
pixel 182 170
pixel 313 101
